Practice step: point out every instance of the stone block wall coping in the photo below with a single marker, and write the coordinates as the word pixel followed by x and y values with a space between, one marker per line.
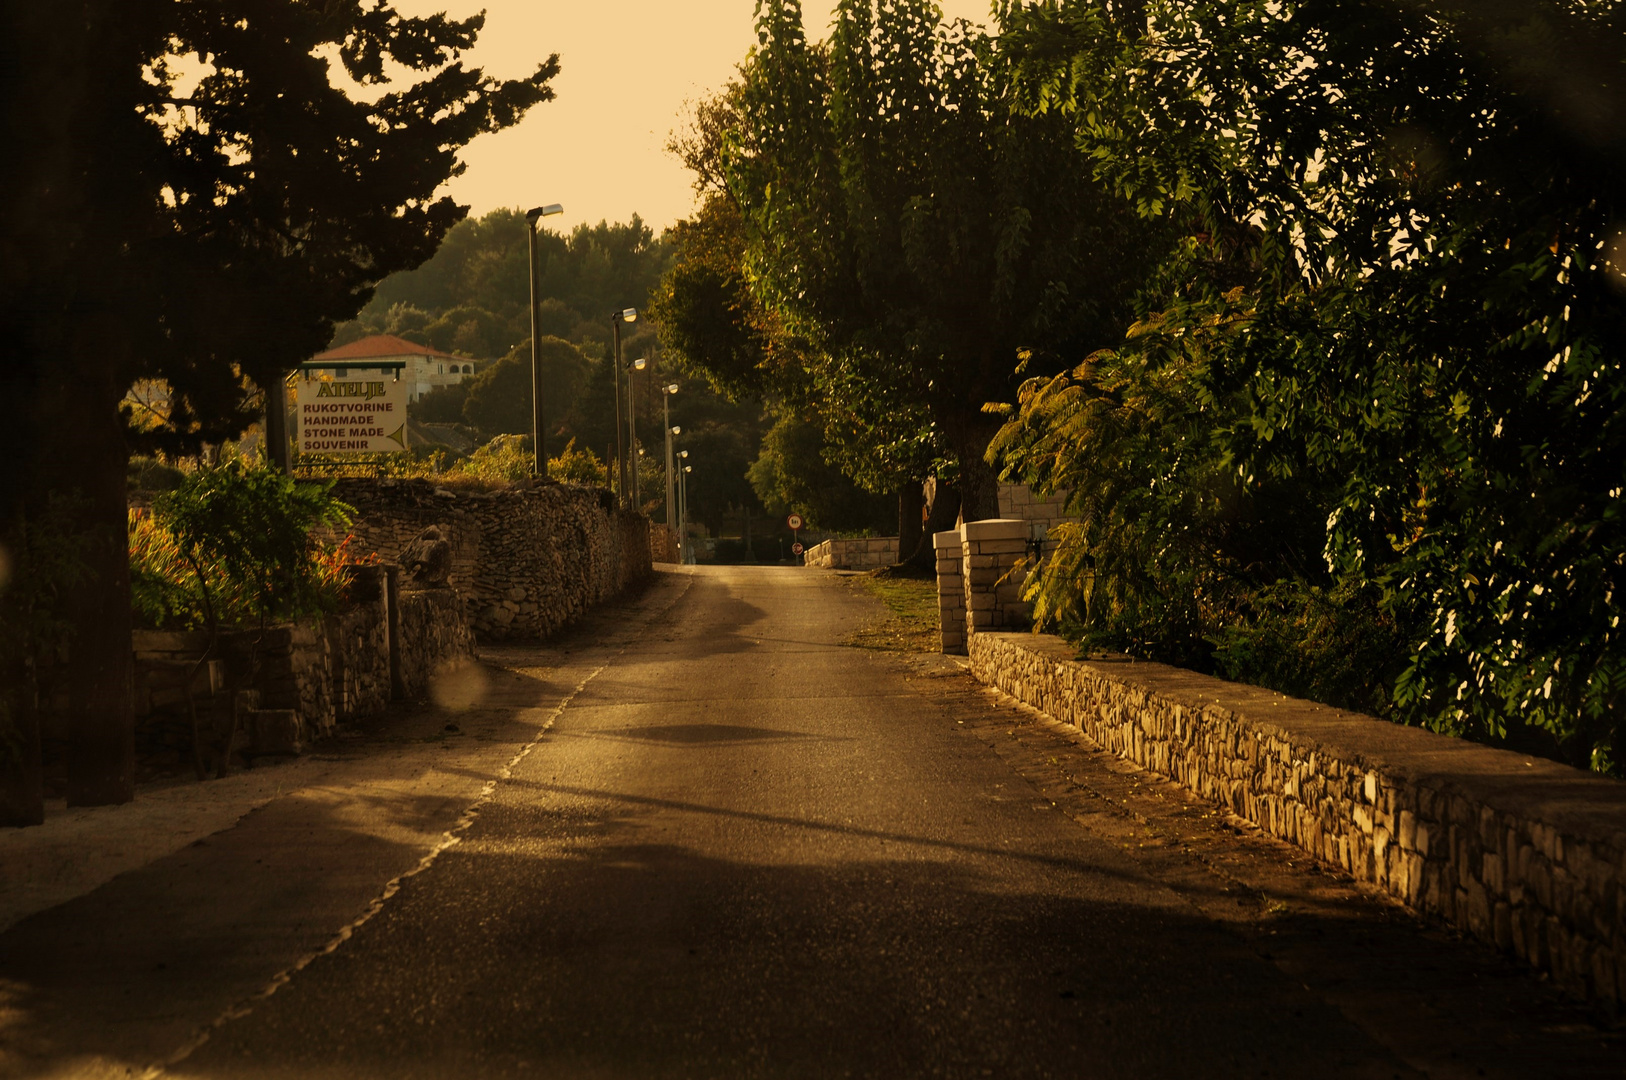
pixel 949 539
pixel 1523 853
pixel 993 529
pixel 1529 787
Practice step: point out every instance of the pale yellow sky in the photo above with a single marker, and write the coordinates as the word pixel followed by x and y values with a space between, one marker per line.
pixel 628 68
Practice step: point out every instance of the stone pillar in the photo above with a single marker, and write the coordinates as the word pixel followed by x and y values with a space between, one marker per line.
pixel 950 589
pixel 993 598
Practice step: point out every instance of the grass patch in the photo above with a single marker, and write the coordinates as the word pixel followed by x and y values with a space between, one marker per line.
pixel 910 623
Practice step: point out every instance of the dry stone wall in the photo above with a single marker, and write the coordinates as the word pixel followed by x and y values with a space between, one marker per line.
pixel 664 545
pixel 526 560
pixel 383 645
pixel 434 632
pixel 1523 853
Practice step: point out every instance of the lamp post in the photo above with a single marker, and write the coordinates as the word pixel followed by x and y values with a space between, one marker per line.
pixel 683 506
pixel 532 218
pixel 666 416
pixel 632 426
pixel 616 319
pixel 683 489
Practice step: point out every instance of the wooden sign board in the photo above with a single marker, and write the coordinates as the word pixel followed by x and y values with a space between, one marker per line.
pixel 362 415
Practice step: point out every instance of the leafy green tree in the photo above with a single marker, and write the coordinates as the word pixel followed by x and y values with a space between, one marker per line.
pixel 916 232
pixel 498 400
pixel 479 276
pixel 573 466
pixel 441 405
pixel 245 539
pixel 792 474
pixel 469 331
pixel 208 232
pixel 1426 344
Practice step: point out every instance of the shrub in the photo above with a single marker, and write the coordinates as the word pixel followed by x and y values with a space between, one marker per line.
pixel 233 545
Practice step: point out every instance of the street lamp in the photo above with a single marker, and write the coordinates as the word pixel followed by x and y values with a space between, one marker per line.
pixel 616 319
pixel 683 506
pixel 532 218
pixel 666 415
pixel 683 495
pixel 632 426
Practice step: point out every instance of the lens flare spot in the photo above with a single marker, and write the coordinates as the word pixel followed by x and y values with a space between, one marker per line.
pixel 459 687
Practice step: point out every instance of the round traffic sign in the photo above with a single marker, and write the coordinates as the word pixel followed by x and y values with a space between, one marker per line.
pixel 794 521
pixel 796 548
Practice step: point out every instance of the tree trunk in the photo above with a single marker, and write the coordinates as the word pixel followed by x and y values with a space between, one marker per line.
pixel 978 483
pixel 101 730
pixel 22 791
pixel 911 500
pixel 84 454
pixel 942 503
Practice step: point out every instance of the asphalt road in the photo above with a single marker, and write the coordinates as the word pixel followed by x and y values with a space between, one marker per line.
pixel 739 849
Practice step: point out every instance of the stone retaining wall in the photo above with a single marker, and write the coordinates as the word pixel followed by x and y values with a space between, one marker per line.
pixel 664 545
pixel 868 553
pixel 435 633
pixel 1523 853
pixel 526 560
pixel 384 645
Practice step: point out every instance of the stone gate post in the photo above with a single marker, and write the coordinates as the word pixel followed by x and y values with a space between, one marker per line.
pixel 975 589
pixel 950 589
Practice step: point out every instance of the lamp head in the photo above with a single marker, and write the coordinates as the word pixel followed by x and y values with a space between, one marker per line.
pixel 535 213
pixel 688 468
pixel 683 453
pixel 677 431
pixel 640 363
pixel 671 389
pixel 627 314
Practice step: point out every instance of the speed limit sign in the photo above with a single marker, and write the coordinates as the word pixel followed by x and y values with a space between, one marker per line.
pixel 796 548
pixel 794 521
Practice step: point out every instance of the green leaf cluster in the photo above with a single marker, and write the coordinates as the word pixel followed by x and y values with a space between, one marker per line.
pixel 235 546
pixel 1373 407
pixel 884 231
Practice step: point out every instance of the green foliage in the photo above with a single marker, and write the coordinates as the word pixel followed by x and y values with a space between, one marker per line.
pixel 233 545
pixel 574 466
pixel 504 460
pixel 151 474
pixel 905 227
pixel 1337 646
pixel 709 321
pixel 442 404
pixel 468 331
pixel 1397 314
pixel 792 474
pixel 261 188
pixel 473 295
pixel 498 400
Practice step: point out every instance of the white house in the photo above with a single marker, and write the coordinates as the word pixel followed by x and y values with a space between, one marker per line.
pixel 423 366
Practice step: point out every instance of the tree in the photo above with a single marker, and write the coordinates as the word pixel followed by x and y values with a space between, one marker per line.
pixel 193 196
pixel 1425 345
pixel 916 230
pixel 791 474
pixel 478 276
pixel 498 400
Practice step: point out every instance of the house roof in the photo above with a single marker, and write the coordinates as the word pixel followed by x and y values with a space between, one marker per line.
pixel 382 345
